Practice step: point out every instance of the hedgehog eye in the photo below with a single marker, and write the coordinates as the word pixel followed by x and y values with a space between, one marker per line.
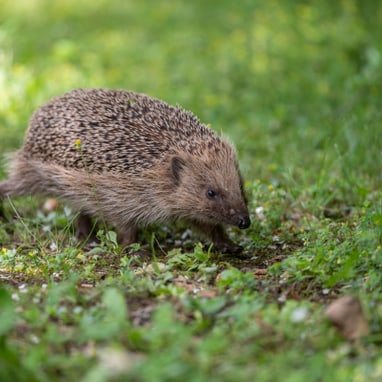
pixel 211 194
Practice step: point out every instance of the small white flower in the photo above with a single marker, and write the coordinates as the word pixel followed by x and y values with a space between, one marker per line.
pixel 53 246
pixel 259 210
pixel 299 314
pixel 15 297
pixel 34 339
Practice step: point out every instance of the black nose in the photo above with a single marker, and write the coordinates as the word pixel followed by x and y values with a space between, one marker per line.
pixel 244 222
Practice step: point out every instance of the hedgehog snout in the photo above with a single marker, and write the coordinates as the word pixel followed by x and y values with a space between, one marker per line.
pixel 242 219
pixel 244 222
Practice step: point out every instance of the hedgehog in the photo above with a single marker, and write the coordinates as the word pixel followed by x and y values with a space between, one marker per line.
pixel 130 161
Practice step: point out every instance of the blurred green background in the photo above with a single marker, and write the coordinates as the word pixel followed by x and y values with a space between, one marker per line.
pixel 295 84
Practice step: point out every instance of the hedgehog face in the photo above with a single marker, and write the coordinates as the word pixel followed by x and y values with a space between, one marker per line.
pixel 210 191
pixel 227 206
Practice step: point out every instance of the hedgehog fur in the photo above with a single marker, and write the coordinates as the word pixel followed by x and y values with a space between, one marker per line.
pixel 130 160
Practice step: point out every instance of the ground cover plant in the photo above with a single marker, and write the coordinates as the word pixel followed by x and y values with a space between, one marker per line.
pixel 296 85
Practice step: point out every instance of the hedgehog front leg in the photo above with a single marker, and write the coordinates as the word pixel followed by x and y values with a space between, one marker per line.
pixel 84 227
pixel 2 214
pixel 127 235
pixel 218 236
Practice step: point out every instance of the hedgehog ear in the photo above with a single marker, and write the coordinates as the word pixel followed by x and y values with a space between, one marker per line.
pixel 177 166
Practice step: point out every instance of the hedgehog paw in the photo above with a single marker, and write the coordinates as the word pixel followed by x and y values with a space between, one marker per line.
pixel 84 227
pixel 228 247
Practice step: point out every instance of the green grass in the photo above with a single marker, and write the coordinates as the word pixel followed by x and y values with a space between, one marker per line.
pixel 296 86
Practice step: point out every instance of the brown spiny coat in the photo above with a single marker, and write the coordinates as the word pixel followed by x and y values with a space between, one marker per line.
pixel 130 160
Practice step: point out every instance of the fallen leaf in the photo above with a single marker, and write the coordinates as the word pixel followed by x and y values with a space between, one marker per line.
pixel 207 293
pixel 50 205
pixel 260 272
pixel 347 315
pixel 117 361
